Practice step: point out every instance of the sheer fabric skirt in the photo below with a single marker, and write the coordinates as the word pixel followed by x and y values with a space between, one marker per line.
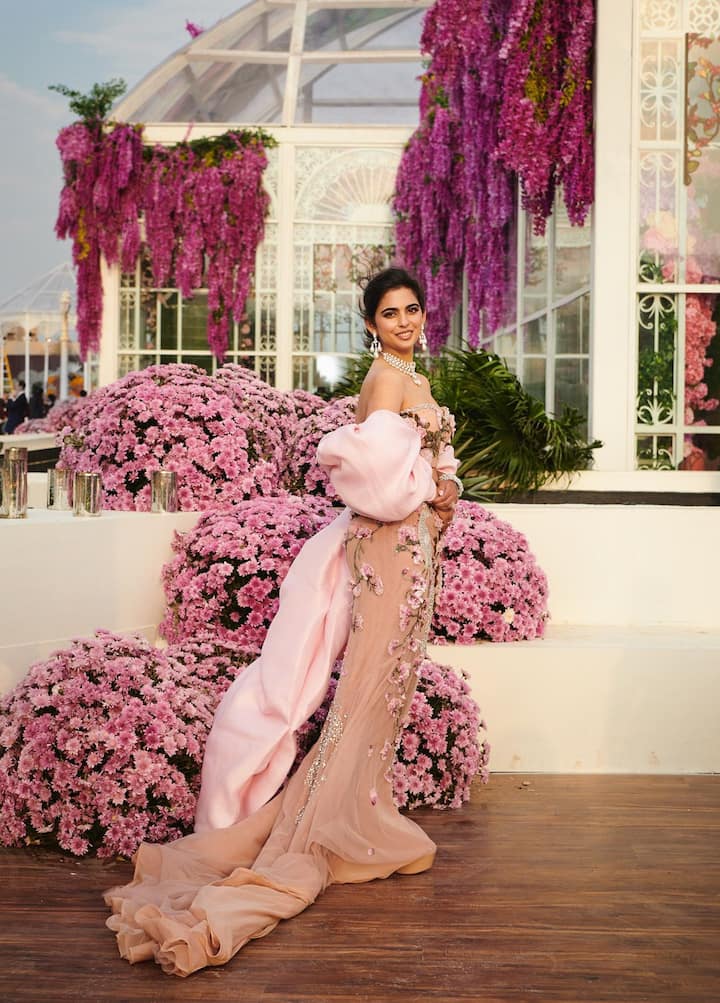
pixel 196 901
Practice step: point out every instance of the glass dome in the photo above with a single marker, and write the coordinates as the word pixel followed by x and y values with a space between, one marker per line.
pixel 282 62
pixel 37 307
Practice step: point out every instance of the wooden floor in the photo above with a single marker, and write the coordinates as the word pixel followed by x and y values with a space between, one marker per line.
pixel 547 888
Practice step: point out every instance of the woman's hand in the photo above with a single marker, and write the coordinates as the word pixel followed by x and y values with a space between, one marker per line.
pixel 445 500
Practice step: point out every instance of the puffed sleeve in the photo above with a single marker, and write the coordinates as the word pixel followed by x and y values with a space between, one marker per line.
pixel 376 467
pixel 447 464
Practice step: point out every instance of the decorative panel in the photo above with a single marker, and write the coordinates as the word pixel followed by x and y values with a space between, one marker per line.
pixel 678 162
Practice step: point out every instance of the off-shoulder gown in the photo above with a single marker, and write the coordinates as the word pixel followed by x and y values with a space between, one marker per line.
pixel 365 584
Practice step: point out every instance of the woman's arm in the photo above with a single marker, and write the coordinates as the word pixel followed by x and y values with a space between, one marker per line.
pixel 375 465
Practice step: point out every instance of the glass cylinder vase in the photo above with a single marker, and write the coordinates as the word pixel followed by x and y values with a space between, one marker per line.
pixel 14 483
pixel 59 489
pixel 87 494
pixel 164 491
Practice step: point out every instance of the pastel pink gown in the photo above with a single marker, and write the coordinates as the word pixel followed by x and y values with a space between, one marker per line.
pixel 366 583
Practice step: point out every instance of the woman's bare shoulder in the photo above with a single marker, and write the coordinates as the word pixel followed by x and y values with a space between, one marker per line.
pixel 382 389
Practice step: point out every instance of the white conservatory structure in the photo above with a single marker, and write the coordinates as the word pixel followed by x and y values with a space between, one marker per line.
pixel 615 318
pixel 603 312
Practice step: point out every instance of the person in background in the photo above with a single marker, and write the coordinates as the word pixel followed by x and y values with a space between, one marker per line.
pixel 36 407
pixel 17 407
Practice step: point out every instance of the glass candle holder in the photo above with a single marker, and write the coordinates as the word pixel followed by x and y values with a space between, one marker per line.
pixel 87 494
pixel 59 489
pixel 14 483
pixel 164 491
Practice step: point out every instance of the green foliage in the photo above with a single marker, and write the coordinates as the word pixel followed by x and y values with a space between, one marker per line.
pixel 656 359
pixel 212 149
pixel 94 106
pixel 505 441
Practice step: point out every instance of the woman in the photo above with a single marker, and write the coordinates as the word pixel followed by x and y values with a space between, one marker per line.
pixel 256 858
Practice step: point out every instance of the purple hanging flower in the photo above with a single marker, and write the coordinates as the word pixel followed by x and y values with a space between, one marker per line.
pixel 507 99
pixel 204 217
pixel 192 29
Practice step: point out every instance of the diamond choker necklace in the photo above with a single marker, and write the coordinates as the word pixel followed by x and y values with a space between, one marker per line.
pixel 405 367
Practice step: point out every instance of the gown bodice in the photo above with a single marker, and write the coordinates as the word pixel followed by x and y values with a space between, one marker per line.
pixel 436 425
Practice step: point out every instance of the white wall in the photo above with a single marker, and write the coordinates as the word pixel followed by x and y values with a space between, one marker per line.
pixel 625 564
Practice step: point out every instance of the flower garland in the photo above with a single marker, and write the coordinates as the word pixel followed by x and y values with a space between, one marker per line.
pixel 493 588
pixel 100 207
pixel 172 417
pixel 205 210
pixel 454 201
pixel 227 571
pixel 500 99
pixel 545 128
pixel 204 207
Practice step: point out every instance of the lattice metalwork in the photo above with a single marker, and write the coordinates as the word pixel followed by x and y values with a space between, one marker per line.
pixel 678 233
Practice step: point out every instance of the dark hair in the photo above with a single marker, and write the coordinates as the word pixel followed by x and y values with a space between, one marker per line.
pixel 383 282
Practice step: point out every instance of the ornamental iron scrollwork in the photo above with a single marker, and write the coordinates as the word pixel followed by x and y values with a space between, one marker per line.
pixel 655 452
pixel 657 340
pixel 658 15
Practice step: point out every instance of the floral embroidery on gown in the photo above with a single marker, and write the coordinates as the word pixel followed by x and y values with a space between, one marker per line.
pixel 197 901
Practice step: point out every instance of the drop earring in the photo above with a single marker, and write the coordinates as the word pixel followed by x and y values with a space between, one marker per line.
pixel 423 339
pixel 375 346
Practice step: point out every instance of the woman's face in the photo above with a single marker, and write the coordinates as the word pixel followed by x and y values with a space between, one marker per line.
pixel 398 321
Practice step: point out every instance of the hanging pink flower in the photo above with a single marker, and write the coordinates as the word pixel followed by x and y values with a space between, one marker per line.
pixel 507 95
pixel 545 128
pixel 454 201
pixel 192 29
pixel 204 207
pixel 99 210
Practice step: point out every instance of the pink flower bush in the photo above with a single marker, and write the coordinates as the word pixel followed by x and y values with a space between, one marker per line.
pixel 439 751
pixel 302 474
pixel 227 571
pixel 493 589
pixel 305 403
pixel 101 745
pixel 63 416
pixel 272 414
pixel 171 417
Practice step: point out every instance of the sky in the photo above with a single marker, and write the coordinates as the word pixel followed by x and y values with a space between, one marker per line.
pixel 76 43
